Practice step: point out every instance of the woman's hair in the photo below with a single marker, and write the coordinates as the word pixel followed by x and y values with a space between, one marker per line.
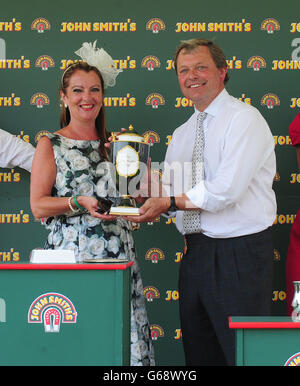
pixel 216 52
pixel 65 113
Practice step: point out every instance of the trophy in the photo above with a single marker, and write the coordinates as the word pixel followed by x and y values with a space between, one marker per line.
pixel 129 154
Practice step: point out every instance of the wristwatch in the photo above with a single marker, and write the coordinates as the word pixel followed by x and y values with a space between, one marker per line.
pixel 173 207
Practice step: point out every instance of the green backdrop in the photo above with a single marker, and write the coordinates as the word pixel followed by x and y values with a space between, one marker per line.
pixel 261 40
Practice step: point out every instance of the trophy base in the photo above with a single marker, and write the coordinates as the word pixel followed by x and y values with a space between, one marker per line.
pixel 126 207
pixel 124 211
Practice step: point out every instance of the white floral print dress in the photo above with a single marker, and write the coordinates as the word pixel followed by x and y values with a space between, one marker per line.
pixel 80 171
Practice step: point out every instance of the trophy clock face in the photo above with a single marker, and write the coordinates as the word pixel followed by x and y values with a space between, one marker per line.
pixel 127 161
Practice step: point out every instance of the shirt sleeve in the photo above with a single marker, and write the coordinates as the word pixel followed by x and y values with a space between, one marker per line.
pixel 247 145
pixel 15 152
pixel 294 130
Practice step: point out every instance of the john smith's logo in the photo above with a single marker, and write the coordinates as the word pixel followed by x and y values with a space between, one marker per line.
pixel 40 25
pixel 294 360
pixel 151 293
pixel 150 62
pixel 256 62
pixel 44 62
pixel 154 255
pixel 151 137
pixel 39 99
pixel 155 25
pixel 270 100
pixel 270 25
pixel 52 309
pixel 155 100
pixel 40 134
pixel 156 331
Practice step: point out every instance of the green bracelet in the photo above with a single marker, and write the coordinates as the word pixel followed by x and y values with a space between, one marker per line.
pixel 76 203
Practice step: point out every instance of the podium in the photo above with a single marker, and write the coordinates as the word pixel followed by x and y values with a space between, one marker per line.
pixel 266 341
pixel 65 314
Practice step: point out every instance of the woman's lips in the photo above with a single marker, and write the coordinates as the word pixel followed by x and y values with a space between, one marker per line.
pixel 87 107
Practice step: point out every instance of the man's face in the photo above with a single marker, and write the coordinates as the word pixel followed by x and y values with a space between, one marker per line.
pixel 199 78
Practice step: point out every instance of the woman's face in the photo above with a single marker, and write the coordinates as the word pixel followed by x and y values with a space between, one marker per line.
pixel 83 96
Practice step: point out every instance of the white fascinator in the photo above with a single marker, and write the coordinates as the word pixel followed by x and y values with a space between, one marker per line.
pixel 100 59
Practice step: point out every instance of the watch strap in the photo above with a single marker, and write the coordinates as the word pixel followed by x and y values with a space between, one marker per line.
pixel 173 207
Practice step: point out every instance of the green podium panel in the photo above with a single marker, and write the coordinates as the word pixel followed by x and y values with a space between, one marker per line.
pixel 65 314
pixel 266 341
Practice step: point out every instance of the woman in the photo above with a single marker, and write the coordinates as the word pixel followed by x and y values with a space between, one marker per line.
pixel 69 177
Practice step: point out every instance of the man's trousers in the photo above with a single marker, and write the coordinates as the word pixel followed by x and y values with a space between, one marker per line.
pixel 220 278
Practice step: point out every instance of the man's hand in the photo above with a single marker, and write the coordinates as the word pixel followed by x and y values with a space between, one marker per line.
pixel 114 136
pixel 152 208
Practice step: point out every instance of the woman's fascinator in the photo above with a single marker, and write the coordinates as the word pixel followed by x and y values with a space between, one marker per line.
pixel 99 58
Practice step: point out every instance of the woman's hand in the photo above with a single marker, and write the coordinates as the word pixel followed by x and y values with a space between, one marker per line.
pixel 91 204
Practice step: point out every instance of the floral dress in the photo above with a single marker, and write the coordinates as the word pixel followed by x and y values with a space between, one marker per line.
pixel 80 171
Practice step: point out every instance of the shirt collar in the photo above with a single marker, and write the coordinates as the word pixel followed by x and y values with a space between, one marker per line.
pixel 215 106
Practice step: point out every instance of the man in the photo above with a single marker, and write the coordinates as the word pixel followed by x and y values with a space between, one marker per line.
pixel 15 152
pixel 227 212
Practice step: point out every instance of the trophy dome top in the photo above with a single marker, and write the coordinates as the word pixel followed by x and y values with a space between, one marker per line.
pixel 130 135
